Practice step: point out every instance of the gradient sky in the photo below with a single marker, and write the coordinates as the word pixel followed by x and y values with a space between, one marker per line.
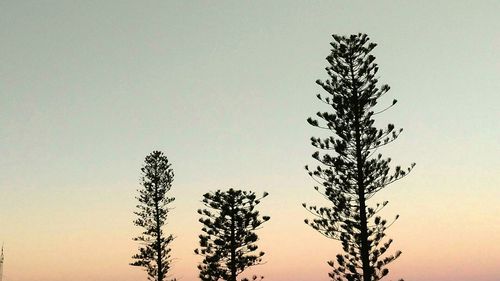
pixel 89 88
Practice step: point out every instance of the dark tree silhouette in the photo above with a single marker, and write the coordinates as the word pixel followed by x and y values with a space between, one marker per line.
pixel 152 211
pixel 351 170
pixel 228 240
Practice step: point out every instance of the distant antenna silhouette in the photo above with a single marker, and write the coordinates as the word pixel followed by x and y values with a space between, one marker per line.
pixel 1 264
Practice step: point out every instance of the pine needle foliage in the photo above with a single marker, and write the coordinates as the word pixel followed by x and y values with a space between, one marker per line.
pixel 350 170
pixel 152 210
pixel 228 241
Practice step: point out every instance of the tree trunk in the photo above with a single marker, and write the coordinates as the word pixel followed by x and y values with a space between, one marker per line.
pixel 233 244
pixel 363 227
pixel 158 237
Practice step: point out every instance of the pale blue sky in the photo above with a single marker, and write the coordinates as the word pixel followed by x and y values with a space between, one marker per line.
pixel 88 88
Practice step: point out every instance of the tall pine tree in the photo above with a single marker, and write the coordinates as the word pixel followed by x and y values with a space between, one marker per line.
pixel 228 240
pixel 351 171
pixel 152 211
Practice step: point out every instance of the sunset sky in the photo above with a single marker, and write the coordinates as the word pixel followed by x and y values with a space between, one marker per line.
pixel 89 88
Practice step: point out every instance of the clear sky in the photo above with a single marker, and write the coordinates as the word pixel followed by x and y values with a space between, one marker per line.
pixel 89 88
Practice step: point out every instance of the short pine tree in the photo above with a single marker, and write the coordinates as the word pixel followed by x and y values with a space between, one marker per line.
pixel 228 240
pixel 152 211
pixel 351 171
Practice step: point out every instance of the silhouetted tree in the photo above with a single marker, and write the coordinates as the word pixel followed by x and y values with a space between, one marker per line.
pixel 352 171
pixel 152 211
pixel 228 239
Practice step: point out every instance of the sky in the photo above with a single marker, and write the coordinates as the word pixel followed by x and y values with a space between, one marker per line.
pixel 224 88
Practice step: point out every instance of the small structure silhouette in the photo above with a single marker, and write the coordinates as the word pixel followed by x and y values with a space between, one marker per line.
pixel 1 264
